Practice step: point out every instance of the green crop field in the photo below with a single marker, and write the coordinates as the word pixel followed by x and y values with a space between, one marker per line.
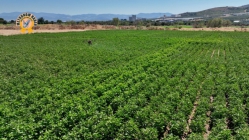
pixel 126 85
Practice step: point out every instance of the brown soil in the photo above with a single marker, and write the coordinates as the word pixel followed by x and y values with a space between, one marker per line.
pixel 208 123
pixel 211 99
pixel 227 29
pixel 212 54
pixel 166 132
pixel 191 116
pixel 52 28
pixel 14 32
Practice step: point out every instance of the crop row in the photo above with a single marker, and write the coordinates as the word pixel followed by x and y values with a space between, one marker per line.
pixel 178 86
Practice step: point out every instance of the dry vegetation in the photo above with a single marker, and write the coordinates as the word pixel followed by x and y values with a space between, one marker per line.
pixel 13 29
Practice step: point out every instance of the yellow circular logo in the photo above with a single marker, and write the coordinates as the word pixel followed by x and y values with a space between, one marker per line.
pixel 26 21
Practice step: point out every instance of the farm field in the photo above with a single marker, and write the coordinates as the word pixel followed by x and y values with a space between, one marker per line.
pixel 129 84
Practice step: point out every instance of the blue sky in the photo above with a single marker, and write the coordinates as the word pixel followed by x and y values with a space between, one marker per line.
pixel 73 7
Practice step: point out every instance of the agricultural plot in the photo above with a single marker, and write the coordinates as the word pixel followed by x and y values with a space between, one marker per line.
pixel 126 85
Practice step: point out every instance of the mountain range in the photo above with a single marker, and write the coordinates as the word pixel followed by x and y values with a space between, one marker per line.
pixel 217 11
pixel 213 12
pixel 85 17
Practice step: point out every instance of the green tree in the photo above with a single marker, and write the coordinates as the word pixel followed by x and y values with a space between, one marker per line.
pixel 115 21
pixel 5 22
pixel 81 22
pixel 139 23
pixel 1 20
pixel 46 22
pixel 148 24
pixel 124 23
pixel 41 20
pixel 59 21
pixel 180 23
pixel 217 22
pixel 157 23
pixel 12 21
pixel 198 24
pixel 226 23
pixel 71 22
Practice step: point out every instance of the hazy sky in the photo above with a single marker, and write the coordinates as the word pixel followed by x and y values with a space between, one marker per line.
pixel 73 7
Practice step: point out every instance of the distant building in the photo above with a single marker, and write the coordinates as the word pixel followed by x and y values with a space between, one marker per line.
pixel 240 14
pixel 164 17
pixel 176 16
pixel 123 19
pixel 176 19
pixel 133 18
pixel 143 19
pixel 130 18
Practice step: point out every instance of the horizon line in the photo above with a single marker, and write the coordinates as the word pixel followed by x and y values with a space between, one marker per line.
pixel 88 13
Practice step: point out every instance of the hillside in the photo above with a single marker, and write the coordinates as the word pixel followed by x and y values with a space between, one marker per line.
pixel 85 17
pixel 217 11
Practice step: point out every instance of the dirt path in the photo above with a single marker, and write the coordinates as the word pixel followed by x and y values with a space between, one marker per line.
pixel 166 132
pixel 54 28
pixel 191 116
pixel 225 29
pixel 208 123
pixel 14 32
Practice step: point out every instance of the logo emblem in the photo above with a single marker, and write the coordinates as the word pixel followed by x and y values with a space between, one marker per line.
pixel 26 21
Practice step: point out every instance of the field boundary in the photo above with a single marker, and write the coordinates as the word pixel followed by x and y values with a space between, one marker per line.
pixel 54 28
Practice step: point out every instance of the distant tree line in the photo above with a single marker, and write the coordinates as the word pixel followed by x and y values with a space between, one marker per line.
pixel 41 20
pixel 213 23
pixel 218 22
pixel 2 21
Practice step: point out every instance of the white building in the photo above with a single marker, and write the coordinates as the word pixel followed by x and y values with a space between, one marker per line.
pixel 176 15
